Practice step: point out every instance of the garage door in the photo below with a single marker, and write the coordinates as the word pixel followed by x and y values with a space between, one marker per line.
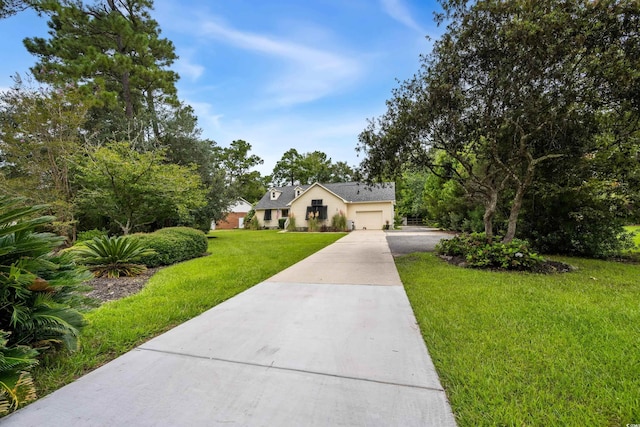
pixel 371 220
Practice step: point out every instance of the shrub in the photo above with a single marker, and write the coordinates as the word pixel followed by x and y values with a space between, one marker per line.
pixel 281 222
pixel 339 221
pixel 254 224
pixel 39 300
pixel 171 245
pixel 16 383
pixel 312 221
pixel 292 222
pixel 249 218
pixel 479 253
pixel 83 236
pixel 113 256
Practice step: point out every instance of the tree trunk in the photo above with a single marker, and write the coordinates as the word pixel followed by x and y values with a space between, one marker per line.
pixel 513 215
pixel 154 117
pixel 490 207
pixel 516 205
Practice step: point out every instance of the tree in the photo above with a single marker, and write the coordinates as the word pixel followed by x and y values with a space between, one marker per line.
pixel 11 7
pixel 113 50
pixel 342 172
pixel 510 86
pixel 237 163
pixel 135 189
pixel 40 142
pixel 295 168
pixel 287 169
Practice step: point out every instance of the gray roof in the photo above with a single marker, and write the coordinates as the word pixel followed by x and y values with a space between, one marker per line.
pixel 352 192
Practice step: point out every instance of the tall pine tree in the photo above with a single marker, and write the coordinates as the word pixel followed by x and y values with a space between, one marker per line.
pixel 113 49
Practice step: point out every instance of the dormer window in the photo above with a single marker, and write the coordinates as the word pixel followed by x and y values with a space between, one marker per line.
pixel 274 194
pixel 298 191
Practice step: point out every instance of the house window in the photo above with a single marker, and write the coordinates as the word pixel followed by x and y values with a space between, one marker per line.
pixel 267 215
pixel 285 213
pixel 319 212
pixel 273 195
pixel 316 202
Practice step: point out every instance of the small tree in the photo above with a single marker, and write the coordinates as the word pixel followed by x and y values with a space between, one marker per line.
pixel 133 189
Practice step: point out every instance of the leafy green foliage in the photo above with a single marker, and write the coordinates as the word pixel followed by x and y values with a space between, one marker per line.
pixel 39 299
pixel 240 180
pixel 171 245
pixel 480 253
pixel 134 189
pixel 113 256
pixel 90 234
pixel 16 383
pixel 508 89
pixel 295 168
pixel 40 144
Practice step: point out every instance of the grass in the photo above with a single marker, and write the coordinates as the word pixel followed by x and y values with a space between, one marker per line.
pixel 239 259
pixel 532 350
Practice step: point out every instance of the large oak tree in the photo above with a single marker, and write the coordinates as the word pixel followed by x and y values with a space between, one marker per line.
pixel 511 85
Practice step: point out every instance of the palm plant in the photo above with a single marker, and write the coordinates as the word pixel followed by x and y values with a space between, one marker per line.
pixel 39 299
pixel 16 384
pixel 113 256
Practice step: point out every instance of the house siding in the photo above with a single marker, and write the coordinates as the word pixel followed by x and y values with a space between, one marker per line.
pixel 299 206
pixel 276 214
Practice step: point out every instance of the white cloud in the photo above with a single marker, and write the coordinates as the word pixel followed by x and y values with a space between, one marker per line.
pixel 309 73
pixel 398 11
pixel 187 69
pixel 208 119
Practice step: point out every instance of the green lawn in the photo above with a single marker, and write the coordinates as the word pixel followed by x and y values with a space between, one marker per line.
pixel 239 259
pixel 532 350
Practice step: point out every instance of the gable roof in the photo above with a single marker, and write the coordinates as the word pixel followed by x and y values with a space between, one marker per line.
pixel 350 192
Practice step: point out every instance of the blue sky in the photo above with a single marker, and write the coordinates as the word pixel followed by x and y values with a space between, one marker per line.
pixel 280 74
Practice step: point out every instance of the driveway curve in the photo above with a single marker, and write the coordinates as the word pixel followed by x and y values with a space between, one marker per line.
pixel 415 239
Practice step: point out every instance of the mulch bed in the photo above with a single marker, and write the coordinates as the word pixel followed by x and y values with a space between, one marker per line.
pixel 547 267
pixel 111 289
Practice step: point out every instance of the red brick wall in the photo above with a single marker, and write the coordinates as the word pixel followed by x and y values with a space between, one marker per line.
pixel 231 221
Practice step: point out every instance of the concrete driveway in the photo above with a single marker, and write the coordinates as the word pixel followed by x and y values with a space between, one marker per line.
pixel 415 239
pixel 330 341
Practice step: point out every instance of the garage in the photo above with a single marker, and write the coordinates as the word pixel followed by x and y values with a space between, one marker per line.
pixel 370 220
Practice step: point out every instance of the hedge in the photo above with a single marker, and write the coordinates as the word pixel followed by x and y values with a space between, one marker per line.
pixel 172 244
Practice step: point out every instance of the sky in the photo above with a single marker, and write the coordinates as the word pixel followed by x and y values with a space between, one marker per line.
pixel 279 74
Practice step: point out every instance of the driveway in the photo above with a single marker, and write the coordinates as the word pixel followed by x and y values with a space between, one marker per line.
pixel 330 341
pixel 415 239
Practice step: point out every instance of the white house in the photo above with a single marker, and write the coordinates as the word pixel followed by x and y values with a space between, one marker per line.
pixel 368 207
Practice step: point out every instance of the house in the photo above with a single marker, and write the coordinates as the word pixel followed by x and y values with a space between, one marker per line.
pixel 235 217
pixel 367 207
